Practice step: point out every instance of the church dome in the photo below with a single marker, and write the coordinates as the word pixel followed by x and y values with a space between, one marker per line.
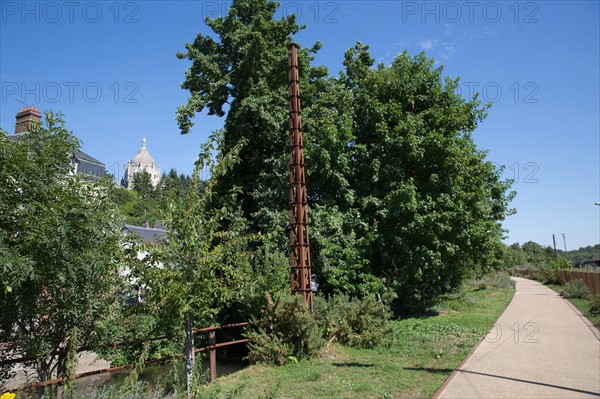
pixel 141 162
pixel 143 156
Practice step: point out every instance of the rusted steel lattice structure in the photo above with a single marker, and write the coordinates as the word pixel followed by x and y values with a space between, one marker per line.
pixel 299 243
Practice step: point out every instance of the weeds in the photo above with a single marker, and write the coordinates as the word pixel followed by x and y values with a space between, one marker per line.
pixel 139 390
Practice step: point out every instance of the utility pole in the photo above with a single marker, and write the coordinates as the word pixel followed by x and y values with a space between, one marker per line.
pixel 300 268
pixel 554 241
pixel 564 241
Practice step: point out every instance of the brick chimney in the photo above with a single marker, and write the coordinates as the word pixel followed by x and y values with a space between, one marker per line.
pixel 27 117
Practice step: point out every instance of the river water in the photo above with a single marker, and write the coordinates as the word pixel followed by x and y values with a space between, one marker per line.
pixel 153 374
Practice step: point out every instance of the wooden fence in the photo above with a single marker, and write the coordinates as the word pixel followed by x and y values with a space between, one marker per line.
pixel 591 279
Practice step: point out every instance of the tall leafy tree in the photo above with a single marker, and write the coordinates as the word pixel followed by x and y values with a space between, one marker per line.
pixel 242 72
pixel 432 202
pixel 59 248
pixel 398 192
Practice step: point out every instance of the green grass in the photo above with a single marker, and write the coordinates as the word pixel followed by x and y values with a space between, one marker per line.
pixel 583 304
pixel 420 354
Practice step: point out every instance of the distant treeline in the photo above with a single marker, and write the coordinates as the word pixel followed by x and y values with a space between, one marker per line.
pixel 532 254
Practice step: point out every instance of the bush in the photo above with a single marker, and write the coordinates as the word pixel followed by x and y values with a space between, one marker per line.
pixel 499 280
pixel 286 332
pixel 503 281
pixel 575 289
pixel 358 322
pixel 559 264
pixel 595 305
pixel 546 275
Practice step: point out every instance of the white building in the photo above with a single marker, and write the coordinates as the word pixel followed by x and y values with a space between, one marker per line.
pixel 141 162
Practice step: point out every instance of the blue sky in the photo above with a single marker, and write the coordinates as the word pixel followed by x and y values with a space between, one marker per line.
pixel 110 67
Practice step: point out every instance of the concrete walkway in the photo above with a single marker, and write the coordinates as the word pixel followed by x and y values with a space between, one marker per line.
pixel 540 347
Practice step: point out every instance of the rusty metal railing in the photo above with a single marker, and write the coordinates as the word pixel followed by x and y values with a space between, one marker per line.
pixel 211 348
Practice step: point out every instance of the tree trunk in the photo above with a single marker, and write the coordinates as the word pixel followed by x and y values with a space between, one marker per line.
pixel 60 373
pixel 189 355
pixel 43 371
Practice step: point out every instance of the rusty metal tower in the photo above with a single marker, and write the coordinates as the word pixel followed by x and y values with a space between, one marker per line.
pixel 299 243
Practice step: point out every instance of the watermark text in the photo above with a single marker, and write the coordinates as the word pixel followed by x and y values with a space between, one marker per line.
pixel 470 11
pixel 53 12
pixel 53 92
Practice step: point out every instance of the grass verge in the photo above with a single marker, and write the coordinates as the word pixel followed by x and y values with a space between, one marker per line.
pixel 418 357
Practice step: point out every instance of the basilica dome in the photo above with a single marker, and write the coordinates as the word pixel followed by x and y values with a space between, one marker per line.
pixel 141 162
pixel 143 156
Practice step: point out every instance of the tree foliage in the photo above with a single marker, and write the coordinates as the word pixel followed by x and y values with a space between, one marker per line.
pixel 399 194
pixel 59 247
pixel 577 256
pixel 199 267
pixel 143 185
pixel 533 255
pixel 145 203
pixel 431 200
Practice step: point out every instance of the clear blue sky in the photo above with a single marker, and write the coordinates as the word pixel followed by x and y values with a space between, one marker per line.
pixel 110 67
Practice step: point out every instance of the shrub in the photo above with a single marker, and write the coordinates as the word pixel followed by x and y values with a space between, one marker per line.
pixel 358 322
pixel 480 284
pixel 503 281
pixel 575 289
pixel 545 275
pixel 595 305
pixel 559 264
pixel 286 331
pixel 493 279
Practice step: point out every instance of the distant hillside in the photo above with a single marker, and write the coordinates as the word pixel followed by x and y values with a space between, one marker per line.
pixel 578 255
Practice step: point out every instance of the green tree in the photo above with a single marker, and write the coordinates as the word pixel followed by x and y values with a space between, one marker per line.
pixel 398 192
pixel 577 256
pixel 200 267
pixel 143 202
pixel 142 184
pixel 537 255
pixel 245 69
pixel 432 202
pixel 60 250
pixel 532 254
pixel 135 210
pixel 173 186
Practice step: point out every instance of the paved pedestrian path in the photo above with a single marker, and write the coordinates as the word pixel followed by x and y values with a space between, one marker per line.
pixel 540 347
